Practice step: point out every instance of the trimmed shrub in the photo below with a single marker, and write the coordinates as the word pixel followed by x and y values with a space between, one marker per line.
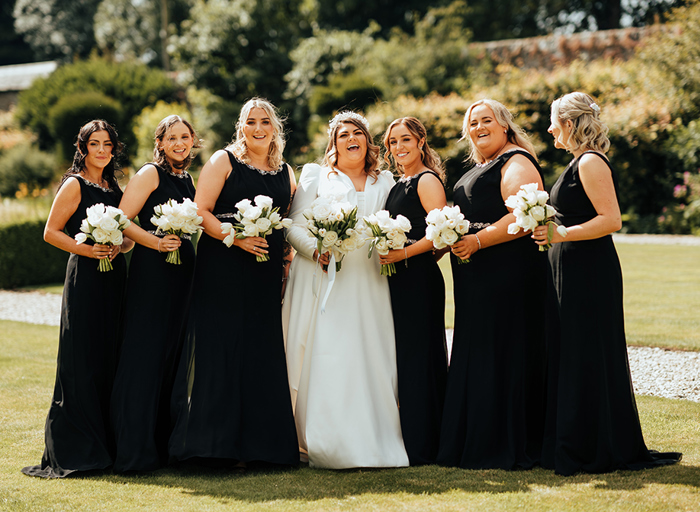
pixel 145 126
pixel 26 259
pixel 73 111
pixel 25 164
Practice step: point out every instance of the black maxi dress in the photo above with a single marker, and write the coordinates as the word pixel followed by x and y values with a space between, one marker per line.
pixel 77 433
pixel 418 305
pixel 494 405
pixel 592 420
pixel 157 297
pixel 240 409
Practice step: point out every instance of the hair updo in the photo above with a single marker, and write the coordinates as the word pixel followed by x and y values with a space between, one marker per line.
pixel 587 132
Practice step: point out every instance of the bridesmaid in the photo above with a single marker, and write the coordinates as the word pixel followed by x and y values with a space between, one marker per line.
pixel 592 420
pixel 157 298
pixel 417 290
pixel 494 405
pixel 240 410
pixel 77 433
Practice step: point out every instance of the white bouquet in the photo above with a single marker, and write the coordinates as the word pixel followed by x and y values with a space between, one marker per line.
pixel 386 233
pixel 333 224
pixel 258 219
pixel 531 210
pixel 176 219
pixel 104 225
pixel 446 227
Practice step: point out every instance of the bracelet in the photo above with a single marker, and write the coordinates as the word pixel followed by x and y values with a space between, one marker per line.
pixel 405 259
pixel 159 244
pixel 477 240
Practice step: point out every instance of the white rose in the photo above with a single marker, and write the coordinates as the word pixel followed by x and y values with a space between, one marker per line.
pixel 250 230
pixel 348 245
pixel 263 224
pixel 434 216
pixel 252 213
pixel 177 222
pixel 116 238
pixel 463 227
pixel 321 211
pixel 330 238
pixel 108 223
pixel 542 197
pixel 189 207
pixel 226 227
pixel 537 213
pixel 85 226
pixel 382 247
pixel 263 201
pixel 528 223
pixel 243 205
pixel 403 223
pixel 530 188
pixel 452 212
pixel 94 213
pixel 100 236
pixel 399 241
pixel 275 217
pixel 448 236
pixel 432 233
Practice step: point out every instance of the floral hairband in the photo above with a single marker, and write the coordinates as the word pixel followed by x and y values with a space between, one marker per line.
pixel 346 116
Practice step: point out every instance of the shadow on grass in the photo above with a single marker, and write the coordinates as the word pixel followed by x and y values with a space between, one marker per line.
pixel 307 484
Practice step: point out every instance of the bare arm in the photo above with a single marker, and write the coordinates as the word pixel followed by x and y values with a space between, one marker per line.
pixel 65 204
pixel 516 172
pixel 597 182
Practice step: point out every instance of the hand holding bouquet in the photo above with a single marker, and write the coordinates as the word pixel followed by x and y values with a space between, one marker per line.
pixel 104 225
pixel 446 227
pixel 333 224
pixel 386 233
pixel 176 219
pixel 258 219
pixel 531 210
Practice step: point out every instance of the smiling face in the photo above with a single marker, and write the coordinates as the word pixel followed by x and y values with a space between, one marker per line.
pixel 486 134
pixel 258 130
pixel 405 147
pixel 177 144
pixel 99 151
pixel 351 145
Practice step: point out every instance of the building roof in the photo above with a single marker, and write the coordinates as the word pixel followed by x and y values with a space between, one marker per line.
pixel 19 77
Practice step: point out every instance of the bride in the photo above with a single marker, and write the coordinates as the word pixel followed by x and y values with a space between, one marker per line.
pixel 342 360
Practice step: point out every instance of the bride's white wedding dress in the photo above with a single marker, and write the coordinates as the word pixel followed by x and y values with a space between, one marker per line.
pixel 342 362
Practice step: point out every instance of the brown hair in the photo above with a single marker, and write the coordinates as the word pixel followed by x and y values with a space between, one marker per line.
pixel 161 131
pixel 330 158
pixel 429 156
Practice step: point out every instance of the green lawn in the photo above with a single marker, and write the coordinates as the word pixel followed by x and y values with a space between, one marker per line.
pixel 27 368
pixel 662 295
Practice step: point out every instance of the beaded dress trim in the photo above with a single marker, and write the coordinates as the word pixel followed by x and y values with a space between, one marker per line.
pixel 184 236
pixel 88 182
pixel 281 167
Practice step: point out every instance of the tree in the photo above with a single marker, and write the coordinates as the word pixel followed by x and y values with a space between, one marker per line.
pixel 133 29
pixel 57 29
pixel 13 49
pixel 239 48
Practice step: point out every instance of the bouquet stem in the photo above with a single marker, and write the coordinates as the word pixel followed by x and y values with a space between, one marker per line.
pixel 105 265
pixel 174 257
pixel 463 261
pixel 388 269
pixel 262 257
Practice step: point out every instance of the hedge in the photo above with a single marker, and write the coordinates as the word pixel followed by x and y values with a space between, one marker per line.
pixel 25 259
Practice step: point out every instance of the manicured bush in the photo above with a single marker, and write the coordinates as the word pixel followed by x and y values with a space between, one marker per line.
pixel 26 259
pixel 73 111
pixel 145 126
pixel 25 164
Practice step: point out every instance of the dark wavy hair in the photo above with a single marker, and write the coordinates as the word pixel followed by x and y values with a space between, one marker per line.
pixel 161 131
pixel 429 156
pixel 109 173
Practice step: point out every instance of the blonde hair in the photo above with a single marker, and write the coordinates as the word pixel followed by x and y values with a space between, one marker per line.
pixel 429 156
pixel 238 145
pixel 587 130
pixel 330 158
pixel 514 133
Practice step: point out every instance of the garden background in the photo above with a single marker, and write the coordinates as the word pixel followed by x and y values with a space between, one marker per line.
pixel 135 61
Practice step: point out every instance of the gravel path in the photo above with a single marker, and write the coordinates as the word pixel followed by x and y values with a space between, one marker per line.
pixel 655 371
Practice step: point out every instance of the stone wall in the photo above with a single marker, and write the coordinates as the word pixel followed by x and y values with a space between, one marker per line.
pixel 546 52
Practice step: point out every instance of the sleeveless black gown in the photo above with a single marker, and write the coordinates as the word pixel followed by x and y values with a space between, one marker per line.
pixel 592 420
pixel 418 305
pixel 156 304
pixel 240 409
pixel 494 406
pixel 77 433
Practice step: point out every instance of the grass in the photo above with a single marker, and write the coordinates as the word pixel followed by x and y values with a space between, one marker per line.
pixel 19 210
pixel 662 295
pixel 27 369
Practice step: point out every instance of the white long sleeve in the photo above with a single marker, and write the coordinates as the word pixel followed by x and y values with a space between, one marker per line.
pixel 307 191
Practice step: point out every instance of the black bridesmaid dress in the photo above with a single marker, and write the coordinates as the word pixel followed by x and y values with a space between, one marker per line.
pixel 77 432
pixel 240 409
pixel 494 405
pixel 157 297
pixel 592 420
pixel 418 305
